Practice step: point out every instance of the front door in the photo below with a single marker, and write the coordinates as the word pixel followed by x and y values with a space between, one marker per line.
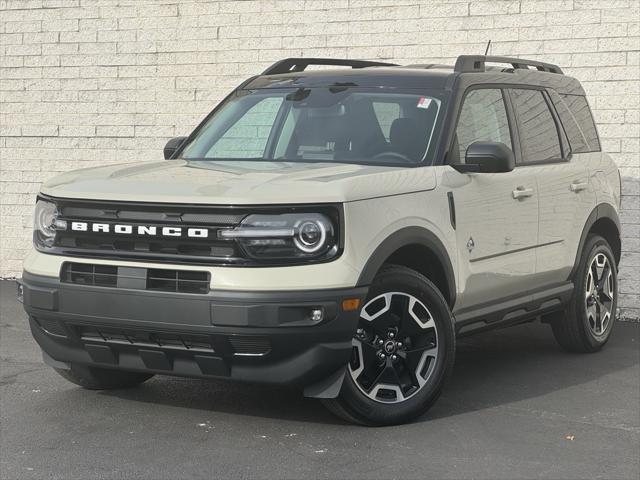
pixel 496 213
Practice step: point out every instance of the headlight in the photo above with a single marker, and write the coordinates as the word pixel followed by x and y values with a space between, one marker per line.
pixel 46 223
pixel 285 236
pixel 310 236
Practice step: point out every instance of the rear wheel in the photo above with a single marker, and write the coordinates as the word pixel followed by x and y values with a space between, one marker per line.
pixel 402 352
pixel 93 378
pixel 590 316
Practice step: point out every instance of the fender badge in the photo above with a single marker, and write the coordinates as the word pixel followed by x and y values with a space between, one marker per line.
pixel 471 244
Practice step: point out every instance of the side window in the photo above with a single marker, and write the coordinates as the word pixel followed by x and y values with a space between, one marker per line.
pixel 483 117
pixel 247 138
pixel 538 131
pixel 580 110
pixel 575 135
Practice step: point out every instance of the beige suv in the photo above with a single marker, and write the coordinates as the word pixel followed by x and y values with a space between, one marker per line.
pixel 336 229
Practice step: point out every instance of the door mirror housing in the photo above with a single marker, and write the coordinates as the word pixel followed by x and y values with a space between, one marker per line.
pixel 487 157
pixel 173 145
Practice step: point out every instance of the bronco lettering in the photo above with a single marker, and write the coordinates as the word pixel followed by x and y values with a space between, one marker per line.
pixel 150 230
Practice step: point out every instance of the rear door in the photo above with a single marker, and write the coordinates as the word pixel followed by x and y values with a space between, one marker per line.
pixel 564 194
pixel 496 213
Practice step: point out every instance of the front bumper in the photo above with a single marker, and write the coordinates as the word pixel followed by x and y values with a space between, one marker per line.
pixel 265 337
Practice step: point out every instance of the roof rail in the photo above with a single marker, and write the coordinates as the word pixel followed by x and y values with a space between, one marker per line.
pixel 289 65
pixel 476 63
pixel 428 66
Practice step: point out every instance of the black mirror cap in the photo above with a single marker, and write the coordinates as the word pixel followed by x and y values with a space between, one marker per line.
pixel 487 157
pixel 173 145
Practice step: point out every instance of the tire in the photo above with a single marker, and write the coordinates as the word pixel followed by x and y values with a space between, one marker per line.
pixel 419 347
pixel 585 327
pixel 93 378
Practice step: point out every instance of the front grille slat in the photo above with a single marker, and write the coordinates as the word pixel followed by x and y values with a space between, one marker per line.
pixel 239 345
pixel 162 280
pixel 153 214
pixel 189 342
pixel 180 281
pixel 214 249
pixel 250 345
pixel 89 274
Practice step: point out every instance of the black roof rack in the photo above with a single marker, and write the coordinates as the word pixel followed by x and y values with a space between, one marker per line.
pixel 476 63
pixel 464 64
pixel 428 66
pixel 289 65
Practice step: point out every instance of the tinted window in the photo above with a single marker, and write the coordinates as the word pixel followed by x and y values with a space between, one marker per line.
pixel 483 118
pixel 577 120
pixel 538 132
pixel 576 138
pixel 320 125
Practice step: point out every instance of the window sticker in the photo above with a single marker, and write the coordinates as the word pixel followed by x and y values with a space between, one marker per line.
pixel 424 102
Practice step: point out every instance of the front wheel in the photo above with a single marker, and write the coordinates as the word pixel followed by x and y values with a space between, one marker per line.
pixel 403 351
pixel 590 316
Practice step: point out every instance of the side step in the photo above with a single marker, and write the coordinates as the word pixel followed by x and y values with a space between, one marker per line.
pixel 512 311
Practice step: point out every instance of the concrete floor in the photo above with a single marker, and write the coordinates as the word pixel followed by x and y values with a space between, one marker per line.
pixel 516 407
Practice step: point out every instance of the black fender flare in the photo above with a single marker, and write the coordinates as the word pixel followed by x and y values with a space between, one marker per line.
pixel 602 210
pixel 405 237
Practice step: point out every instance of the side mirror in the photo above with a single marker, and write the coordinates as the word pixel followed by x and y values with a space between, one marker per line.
pixel 172 145
pixel 487 157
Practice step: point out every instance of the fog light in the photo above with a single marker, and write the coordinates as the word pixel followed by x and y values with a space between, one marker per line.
pixel 317 315
pixel 20 293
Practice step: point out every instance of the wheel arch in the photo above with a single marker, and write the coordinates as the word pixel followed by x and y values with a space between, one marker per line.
pixel 604 221
pixel 419 249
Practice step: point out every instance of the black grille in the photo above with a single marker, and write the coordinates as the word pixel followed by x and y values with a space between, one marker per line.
pixel 224 345
pixel 148 246
pixel 163 280
pixel 88 274
pixel 250 345
pixel 97 234
pixel 141 338
pixel 182 281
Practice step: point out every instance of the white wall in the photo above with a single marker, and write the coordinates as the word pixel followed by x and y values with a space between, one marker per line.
pixel 89 82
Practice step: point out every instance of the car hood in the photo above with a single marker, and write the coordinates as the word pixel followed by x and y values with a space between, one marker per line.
pixel 239 183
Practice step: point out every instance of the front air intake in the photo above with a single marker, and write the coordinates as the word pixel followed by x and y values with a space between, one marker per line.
pixel 156 279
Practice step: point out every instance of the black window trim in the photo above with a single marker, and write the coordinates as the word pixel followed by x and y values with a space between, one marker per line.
pixel 565 154
pixel 565 144
pixel 513 133
pixel 513 126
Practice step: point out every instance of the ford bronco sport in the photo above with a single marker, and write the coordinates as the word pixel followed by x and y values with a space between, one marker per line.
pixel 336 229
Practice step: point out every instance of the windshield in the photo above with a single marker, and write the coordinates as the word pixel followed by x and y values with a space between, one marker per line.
pixel 333 124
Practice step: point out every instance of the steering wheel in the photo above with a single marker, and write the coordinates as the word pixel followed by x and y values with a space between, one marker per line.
pixel 392 155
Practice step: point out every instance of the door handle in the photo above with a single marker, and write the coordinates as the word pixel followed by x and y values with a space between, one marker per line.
pixel 577 186
pixel 522 192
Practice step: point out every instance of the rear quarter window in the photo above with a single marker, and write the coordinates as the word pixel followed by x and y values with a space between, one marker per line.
pixel 577 120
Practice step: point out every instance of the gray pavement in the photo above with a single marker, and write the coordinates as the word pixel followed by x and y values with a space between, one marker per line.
pixel 516 407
